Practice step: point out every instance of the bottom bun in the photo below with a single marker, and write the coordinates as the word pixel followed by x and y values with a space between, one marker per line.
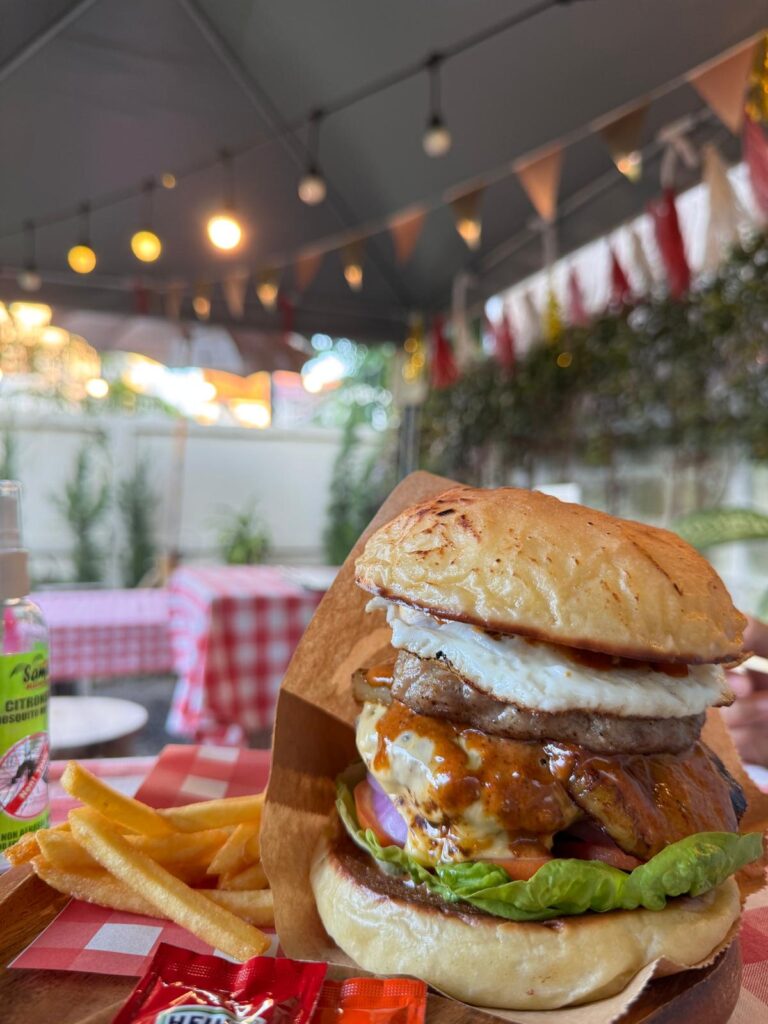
pixel 389 927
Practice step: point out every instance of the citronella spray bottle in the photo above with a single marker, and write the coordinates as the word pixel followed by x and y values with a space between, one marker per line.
pixel 23 684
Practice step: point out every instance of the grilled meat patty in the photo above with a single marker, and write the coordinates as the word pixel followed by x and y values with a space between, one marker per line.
pixel 432 688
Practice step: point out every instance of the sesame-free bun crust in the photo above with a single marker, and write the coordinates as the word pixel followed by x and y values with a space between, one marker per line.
pixel 517 561
pixel 487 961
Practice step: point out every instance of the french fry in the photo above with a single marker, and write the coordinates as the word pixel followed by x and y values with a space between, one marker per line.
pixel 169 896
pixel 95 885
pixel 241 849
pixel 187 860
pixel 256 906
pixel 252 877
pixel 28 847
pixel 124 810
pixel 214 813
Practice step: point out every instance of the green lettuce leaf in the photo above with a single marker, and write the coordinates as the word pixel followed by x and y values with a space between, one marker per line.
pixel 565 886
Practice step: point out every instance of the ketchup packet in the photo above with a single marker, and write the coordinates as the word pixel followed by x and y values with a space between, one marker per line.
pixel 372 1001
pixel 182 987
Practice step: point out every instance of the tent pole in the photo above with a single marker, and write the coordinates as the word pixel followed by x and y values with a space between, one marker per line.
pixel 34 45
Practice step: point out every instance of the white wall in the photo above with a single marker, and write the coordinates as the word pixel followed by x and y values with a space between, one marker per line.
pixel 287 473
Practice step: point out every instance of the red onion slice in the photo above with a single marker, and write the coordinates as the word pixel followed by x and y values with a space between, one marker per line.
pixel 390 818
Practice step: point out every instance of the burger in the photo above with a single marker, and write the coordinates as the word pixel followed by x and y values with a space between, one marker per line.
pixel 535 816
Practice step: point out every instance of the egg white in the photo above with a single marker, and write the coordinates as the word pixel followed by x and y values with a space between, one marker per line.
pixel 538 676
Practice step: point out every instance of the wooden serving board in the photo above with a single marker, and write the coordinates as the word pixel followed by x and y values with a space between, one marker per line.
pixel 27 906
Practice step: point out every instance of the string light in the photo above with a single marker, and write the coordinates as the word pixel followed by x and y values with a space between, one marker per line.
pixel 81 257
pixel 471 230
pixel 29 279
pixel 224 229
pixel 145 245
pixel 436 139
pixel 631 165
pixel 353 266
pixel 168 180
pixel 267 288
pixel 97 387
pixel 312 187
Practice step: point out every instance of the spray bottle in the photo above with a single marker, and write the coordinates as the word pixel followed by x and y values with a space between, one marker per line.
pixel 23 684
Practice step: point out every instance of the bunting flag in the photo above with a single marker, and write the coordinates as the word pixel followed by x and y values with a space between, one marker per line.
pixel 443 369
pixel 540 178
pixel 466 214
pixel 504 341
pixel 532 318
pixel 624 137
pixel 305 269
pixel 621 289
pixel 757 92
pixel 725 211
pixel 722 85
pixel 576 310
pixel 553 319
pixel 670 241
pixel 173 298
pixel 406 231
pixel 141 297
pixel 234 286
pixel 755 151
pixel 287 313
pixel 463 344
pixel 640 263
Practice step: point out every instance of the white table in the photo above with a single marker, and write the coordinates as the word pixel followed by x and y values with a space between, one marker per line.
pixel 77 723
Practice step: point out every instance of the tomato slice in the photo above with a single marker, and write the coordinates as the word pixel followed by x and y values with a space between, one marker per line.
pixel 606 852
pixel 520 869
pixel 367 816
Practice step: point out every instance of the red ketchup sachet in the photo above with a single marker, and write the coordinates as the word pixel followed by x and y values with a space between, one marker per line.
pixel 372 1001
pixel 182 987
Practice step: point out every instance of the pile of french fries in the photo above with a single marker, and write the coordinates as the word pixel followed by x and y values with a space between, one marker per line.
pixel 196 865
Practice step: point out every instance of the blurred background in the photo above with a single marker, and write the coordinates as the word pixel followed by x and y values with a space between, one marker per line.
pixel 258 262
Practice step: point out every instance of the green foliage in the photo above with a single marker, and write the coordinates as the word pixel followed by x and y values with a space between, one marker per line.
pixel 713 526
pixel 244 538
pixel 9 467
pixel 359 484
pixel 83 506
pixel 136 499
pixel 691 374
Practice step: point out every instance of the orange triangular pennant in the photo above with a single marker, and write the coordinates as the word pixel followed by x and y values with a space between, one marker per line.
pixel 405 231
pixel 722 86
pixel 540 177
pixel 305 269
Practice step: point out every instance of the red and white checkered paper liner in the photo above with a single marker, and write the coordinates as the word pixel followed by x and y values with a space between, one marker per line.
pixel 85 937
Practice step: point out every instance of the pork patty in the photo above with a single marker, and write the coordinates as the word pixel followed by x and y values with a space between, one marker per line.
pixel 431 688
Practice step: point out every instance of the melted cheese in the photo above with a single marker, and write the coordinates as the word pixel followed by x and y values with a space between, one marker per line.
pixel 539 677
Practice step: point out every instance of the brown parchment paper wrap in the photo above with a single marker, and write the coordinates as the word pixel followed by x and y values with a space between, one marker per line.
pixel 314 741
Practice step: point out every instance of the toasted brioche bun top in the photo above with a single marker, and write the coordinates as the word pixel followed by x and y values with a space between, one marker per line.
pixel 518 561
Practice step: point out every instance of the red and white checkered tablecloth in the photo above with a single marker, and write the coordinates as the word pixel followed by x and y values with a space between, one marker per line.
pixel 233 630
pixel 97 634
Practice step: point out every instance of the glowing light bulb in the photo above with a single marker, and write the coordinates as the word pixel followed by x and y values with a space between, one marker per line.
pixel 29 281
pixel 202 306
pixel 312 188
pixel 30 315
pixel 436 139
pixel 224 231
pixel 564 360
pixel 168 180
pixel 97 387
pixel 267 290
pixel 631 165
pixel 353 275
pixel 81 259
pixel 471 230
pixel 146 246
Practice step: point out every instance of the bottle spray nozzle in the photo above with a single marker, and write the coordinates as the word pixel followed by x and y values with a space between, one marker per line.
pixel 10 515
